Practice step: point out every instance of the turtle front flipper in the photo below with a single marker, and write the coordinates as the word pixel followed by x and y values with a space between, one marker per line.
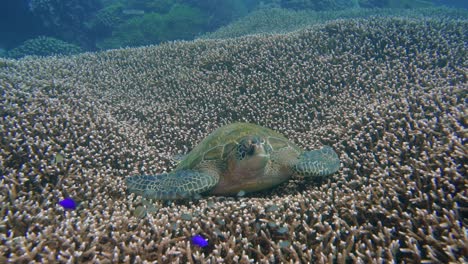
pixel 171 186
pixel 319 162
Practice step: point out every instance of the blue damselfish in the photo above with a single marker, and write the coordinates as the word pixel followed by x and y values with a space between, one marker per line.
pixel 68 203
pixel 199 241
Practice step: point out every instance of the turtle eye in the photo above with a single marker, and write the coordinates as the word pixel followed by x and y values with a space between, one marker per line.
pixel 246 147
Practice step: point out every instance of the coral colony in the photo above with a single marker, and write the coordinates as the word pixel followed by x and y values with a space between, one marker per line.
pixel 388 94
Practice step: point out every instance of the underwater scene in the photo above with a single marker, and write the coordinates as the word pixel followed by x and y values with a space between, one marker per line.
pixel 235 131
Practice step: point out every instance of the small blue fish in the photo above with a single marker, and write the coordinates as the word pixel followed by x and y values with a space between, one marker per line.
pixel 199 241
pixel 68 204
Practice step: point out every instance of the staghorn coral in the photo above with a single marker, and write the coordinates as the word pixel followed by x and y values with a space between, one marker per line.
pixel 277 20
pixel 388 94
pixel 43 46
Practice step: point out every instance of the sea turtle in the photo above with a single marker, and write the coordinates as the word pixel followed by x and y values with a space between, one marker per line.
pixel 238 157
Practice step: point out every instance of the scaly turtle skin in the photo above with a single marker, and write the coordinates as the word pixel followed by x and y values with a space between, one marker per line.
pixel 236 157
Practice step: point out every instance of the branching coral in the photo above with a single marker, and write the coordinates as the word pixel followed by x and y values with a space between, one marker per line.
pixel 387 93
pixel 280 20
pixel 43 46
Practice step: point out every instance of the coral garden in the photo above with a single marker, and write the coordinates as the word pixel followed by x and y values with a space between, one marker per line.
pixel 272 20
pixel 104 24
pixel 43 46
pixel 389 94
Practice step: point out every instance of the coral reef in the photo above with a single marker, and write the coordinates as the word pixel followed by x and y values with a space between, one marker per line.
pixel 389 94
pixel 396 3
pixel 280 20
pixel 136 23
pixel 43 46
pixel 270 20
pixel 63 14
pixel 181 22
pixel 103 24
pixel 319 5
pixel 66 18
pixel 221 13
pixel 106 19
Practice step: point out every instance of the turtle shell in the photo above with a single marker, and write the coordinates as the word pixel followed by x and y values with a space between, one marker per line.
pixel 221 142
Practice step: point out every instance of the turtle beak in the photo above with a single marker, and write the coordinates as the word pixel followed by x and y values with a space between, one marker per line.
pixel 255 146
pixel 258 148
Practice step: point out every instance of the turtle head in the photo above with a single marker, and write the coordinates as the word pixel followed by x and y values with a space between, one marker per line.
pixel 252 153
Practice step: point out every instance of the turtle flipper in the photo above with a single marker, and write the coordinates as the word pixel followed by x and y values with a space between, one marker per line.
pixel 171 186
pixel 319 162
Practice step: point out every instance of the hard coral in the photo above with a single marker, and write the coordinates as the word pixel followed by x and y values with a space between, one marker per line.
pixel 43 46
pixel 387 93
pixel 280 20
pixel 181 22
